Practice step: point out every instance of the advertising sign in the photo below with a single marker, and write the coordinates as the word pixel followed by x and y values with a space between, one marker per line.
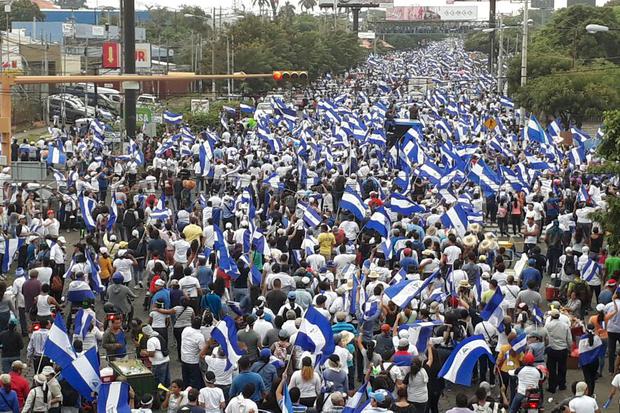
pixel 111 55
pixel 143 55
pixel 431 13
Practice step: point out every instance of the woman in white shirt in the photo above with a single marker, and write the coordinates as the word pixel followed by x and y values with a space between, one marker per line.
pixel 308 381
pixel 417 384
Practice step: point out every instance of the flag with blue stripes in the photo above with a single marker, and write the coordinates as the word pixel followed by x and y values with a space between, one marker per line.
pixel 113 397
pixel 55 155
pixel 315 334
pixel 83 321
pixel 457 218
pixel 225 333
pixel 535 132
pixel 380 222
pixel 172 118
pixel 311 216
pixel 459 366
pixel 539 316
pixel 113 213
pixel 83 374
pixel 590 270
pixel 589 353
pixel 87 205
pixel 351 201
pixel 519 343
pixel 358 401
pixel 402 293
pixel 493 311
pixel 506 102
pixel 247 109
pixel 58 346
pixel 400 204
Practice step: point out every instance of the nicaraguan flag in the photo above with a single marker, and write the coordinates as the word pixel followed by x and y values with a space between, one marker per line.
pixel 87 205
pixel 420 332
pixel 274 181
pixel 58 346
pixel 400 204
pixel 83 321
pixel 583 195
pixel 589 353
pixel 356 403
pixel 457 218
pixel 386 248
pixel 431 278
pixel 459 366
pixel 589 270
pixel 311 216
pixel 430 171
pixel 113 215
pixel 577 156
pixel 55 156
pixel 315 334
pixel 225 333
pixel 352 202
pixel 519 343
pixel 493 311
pixel 113 398
pixel 80 291
pixel 402 293
pixel 380 222
pixel 11 246
pixel 247 109
pixel 506 102
pixel 287 402
pixel 539 316
pixel 172 118
pixel 83 374
pixel 94 271
pixel 535 132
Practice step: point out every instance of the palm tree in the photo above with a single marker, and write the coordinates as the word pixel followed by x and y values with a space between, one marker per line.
pixel 307 4
pixel 288 10
pixel 261 4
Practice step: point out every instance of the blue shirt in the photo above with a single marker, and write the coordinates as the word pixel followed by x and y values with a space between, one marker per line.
pixel 244 378
pixel 205 276
pixel 531 274
pixel 8 401
pixel 268 372
pixel 164 295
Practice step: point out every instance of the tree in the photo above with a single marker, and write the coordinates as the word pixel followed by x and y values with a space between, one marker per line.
pixel 307 4
pixel 22 11
pixel 287 11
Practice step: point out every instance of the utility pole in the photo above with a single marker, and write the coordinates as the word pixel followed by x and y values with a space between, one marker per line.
pixel 213 40
pixel 491 34
pixel 500 56
pixel 232 61
pixel 228 61
pixel 129 17
pixel 524 59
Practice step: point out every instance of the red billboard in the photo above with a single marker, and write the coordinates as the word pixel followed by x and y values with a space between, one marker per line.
pixel 111 56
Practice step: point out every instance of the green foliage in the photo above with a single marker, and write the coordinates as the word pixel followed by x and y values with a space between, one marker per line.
pixel 201 121
pixel 22 11
pixel 538 64
pixel 584 95
pixel 610 144
pixel 409 41
pixel 477 41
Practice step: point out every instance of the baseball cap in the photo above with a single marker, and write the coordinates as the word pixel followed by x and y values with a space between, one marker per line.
pixel 581 389
pixel 265 353
pixel 291 295
pixel 160 283
pixel 380 395
pixel 385 327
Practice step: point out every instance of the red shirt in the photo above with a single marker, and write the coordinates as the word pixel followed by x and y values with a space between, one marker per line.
pixel 21 387
pixel 375 203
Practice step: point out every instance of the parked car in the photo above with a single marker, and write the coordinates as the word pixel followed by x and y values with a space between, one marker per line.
pixel 68 108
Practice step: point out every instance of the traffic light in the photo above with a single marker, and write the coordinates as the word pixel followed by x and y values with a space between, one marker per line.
pixel 291 75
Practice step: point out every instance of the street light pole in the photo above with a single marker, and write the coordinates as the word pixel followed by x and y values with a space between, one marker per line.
pixel 524 58
pixel 500 57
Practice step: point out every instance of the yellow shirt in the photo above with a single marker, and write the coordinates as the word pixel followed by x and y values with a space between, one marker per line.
pixel 192 232
pixel 105 265
pixel 326 243
pixel 508 361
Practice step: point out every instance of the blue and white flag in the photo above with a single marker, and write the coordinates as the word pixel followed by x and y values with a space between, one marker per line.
pixel 431 278
pixel 351 201
pixel 539 316
pixel 274 181
pixel 247 109
pixel 400 204
pixel 80 291
pixel 311 216
pixel 459 366
pixel 506 102
pixel 113 213
pixel 402 293
pixel 359 401
pixel 583 195
pixel 519 343
pixel 55 156
pixel 83 374
pixel 535 132
pixel 380 222
pixel 577 156
pixel 590 353
pixel 493 311
pixel 11 246
pixel 420 332
pixel 457 218
pixel 172 118
pixel 83 321
pixel 58 346
pixel 113 397
pixel 95 271
pixel 287 403
pixel 590 270
pixel 225 333
pixel 87 205
pixel 315 334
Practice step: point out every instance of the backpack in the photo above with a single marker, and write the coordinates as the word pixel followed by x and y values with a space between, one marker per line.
pixel 569 266
pixel 163 346
pixel 129 218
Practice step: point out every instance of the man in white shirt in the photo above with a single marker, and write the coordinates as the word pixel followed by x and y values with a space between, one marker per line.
pixel 211 398
pixel 582 403
pixel 57 255
pixel 192 343
pixel 452 252
pixel 190 286
pixel 157 352
pixel 181 246
pixel 52 225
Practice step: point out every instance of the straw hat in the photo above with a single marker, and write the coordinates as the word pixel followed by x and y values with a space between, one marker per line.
pixel 464 284
pixel 470 240
pixel 346 337
pixel 475 227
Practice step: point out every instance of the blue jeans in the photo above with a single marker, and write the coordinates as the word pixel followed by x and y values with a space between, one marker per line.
pixel 516 402
pixel 162 373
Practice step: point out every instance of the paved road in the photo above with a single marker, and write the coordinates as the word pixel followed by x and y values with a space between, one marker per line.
pixel 447 401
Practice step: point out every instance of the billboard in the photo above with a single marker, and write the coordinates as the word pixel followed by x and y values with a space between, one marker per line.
pixel 143 55
pixel 431 13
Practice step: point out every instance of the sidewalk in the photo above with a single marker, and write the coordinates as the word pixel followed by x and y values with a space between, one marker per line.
pixel 25 134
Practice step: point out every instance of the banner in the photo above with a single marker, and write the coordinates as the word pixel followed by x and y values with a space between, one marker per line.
pixel 431 13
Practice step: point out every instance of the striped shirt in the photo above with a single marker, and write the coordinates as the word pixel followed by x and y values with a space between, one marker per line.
pixel 36 343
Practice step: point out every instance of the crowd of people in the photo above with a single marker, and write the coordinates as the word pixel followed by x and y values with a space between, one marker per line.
pixel 215 251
